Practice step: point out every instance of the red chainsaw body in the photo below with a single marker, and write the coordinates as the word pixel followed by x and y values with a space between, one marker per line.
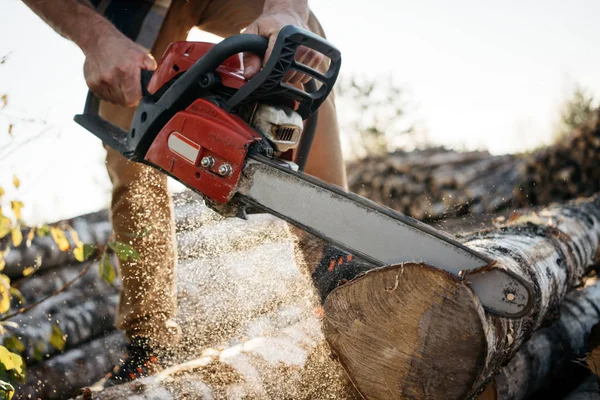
pixel 180 56
pixel 203 130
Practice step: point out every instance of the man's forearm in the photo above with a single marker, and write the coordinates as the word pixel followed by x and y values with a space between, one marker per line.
pixel 299 7
pixel 76 20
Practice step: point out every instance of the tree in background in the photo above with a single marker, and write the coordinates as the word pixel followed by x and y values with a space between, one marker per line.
pixel 575 110
pixel 374 116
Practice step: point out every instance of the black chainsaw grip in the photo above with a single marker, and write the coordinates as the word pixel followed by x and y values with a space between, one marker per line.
pixel 145 77
pixel 268 84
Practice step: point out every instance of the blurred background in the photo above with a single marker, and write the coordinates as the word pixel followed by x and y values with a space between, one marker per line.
pixel 467 75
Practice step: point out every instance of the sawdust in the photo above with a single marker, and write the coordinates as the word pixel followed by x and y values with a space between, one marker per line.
pixel 246 311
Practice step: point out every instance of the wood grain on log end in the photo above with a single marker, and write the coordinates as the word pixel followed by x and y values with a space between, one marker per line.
pixel 407 331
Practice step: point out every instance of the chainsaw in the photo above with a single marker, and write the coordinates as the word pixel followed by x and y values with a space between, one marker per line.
pixel 243 145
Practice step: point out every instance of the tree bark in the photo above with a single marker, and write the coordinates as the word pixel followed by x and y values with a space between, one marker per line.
pixel 78 317
pixel 43 252
pixel 544 358
pixel 588 390
pixel 60 376
pixel 416 331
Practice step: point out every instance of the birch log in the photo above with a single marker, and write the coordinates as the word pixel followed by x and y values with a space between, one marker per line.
pixel 78 318
pixel 44 253
pixel 551 350
pixel 60 376
pixel 588 390
pixel 415 331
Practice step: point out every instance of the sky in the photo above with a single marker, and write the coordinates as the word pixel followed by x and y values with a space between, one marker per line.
pixel 479 74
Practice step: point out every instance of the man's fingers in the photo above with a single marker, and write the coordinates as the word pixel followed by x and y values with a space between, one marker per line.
pixel 149 63
pixel 131 88
pixel 252 64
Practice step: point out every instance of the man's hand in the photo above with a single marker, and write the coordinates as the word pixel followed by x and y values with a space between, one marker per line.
pixel 112 68
pixel 268 25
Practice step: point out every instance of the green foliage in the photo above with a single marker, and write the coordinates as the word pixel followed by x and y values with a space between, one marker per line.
pixel 107 270
pixel 13 344
pixel 124 251
pixel 83 252
pixel 11 366
pixel 575 111
pixel 6 390
pixel 57 339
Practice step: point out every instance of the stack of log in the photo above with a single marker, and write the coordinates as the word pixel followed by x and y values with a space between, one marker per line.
pixel 434 183
pixel 254 328
pixel 566 170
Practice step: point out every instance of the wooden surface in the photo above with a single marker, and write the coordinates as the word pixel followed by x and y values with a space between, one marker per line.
pixel 407 331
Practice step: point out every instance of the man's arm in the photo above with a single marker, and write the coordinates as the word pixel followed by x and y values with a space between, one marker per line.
pixel 112 61
pixel 277 14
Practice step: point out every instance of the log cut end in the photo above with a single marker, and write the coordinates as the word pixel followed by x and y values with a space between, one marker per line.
pixel 407 331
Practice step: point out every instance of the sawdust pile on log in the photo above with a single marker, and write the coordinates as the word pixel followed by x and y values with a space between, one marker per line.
pixel 435 183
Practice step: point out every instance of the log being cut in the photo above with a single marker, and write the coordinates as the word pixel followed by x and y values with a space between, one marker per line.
pixel 255 329
pixel 553 352
pixel 414 331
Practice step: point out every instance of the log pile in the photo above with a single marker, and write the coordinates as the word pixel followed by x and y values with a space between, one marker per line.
pixel 254 327
pixel 565 170
pixel 434 183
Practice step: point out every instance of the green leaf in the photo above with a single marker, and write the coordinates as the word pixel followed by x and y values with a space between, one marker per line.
pixel 57 339
pixel 13 344
pixel 16 293
pixel 43 230
pixel 124 251
pixel 6 391
pixel 60 239
pixel 29 238
pixel 84 252
pixel 5 226
pixel 107 271
pixel 16 236
pixel 12 363
pixel 16 207
pixel 4 293
pixel 38 351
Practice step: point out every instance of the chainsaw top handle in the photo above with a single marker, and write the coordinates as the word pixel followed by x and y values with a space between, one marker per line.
pixel 268 83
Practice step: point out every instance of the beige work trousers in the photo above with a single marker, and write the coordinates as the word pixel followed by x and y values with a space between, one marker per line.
pixel 140 199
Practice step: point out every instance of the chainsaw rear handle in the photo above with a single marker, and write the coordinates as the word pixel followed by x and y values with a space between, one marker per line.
pixel 92 102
